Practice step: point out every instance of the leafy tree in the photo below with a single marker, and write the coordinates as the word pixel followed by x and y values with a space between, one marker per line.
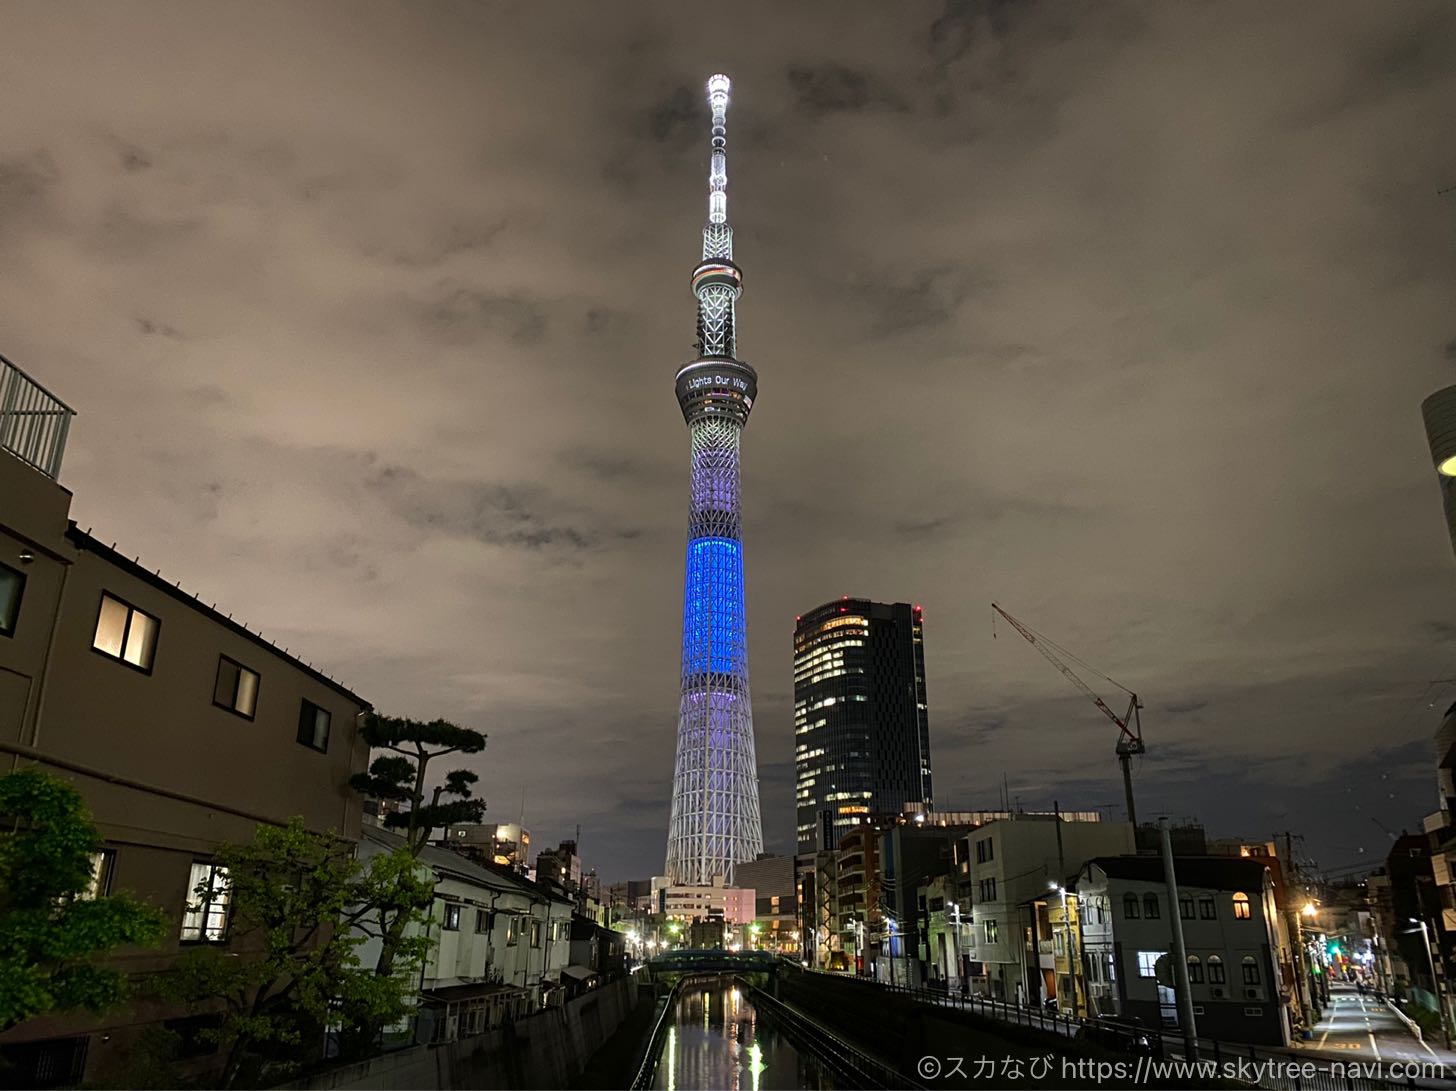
pixel 402 774
pixel 291 899
pixel 402 891
pixel 294 964
pixel 50 932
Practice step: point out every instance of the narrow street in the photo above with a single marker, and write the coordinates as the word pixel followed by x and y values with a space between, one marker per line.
pixel 1358 1027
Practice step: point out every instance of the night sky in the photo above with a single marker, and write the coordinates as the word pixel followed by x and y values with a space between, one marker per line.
pixel 1119 315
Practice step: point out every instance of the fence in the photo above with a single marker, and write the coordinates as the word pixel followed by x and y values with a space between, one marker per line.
pixel 1281 1070
pixel 853 1067
pixel 33 421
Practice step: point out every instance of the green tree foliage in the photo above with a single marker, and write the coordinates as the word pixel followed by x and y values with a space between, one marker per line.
pixel 402 774
pixel 50 933
pixel 293 962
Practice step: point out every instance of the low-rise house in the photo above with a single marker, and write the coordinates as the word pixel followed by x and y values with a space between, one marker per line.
pixel 502 944
pixel 1230 928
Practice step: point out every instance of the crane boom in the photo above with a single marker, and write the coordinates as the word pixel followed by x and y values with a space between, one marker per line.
pixel 1129 737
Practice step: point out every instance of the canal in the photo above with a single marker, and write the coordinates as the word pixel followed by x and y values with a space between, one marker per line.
pixel 717 1039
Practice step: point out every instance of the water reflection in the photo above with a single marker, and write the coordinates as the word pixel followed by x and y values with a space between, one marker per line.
pixel 719 1041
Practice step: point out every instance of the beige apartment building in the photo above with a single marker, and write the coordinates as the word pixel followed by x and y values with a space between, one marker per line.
pixel 180 727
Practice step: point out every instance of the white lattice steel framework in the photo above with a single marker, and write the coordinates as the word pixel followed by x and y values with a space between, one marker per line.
pixel 715 816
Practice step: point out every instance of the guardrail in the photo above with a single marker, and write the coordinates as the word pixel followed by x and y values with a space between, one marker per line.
pixel 853 1066
pixel 1156 1044
pixel 33 421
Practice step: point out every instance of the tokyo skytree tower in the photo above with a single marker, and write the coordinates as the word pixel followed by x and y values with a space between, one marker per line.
pixel 715 817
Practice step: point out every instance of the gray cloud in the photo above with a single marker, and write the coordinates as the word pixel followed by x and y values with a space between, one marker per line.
pixel 834 88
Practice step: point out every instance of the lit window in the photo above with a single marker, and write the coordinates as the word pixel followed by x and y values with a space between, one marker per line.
pixel 205 918
pixel 452 918
pixel 1148 963
pixel 313 726
pixel 103 863
pixel 1215 970
pixel 513 932
pixel 123 632
pixel 236 689
pixel 1251 970
pixel 12 587
pixel 1195 970
pixel 1241 906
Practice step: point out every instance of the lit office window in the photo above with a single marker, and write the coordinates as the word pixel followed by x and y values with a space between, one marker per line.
pixel 205 917
pixel 236 689
pixel 123 632
pixel 1241 906
pixel 102 865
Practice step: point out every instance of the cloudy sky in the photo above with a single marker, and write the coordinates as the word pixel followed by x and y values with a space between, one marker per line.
pixel 1119 315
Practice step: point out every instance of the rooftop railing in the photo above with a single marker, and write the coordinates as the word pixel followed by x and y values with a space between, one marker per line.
pixel 33 421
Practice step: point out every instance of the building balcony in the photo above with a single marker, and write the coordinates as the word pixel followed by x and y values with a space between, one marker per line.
pixel 33 421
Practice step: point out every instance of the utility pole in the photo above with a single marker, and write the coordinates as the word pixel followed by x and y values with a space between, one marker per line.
pixel 1180 953
pixel 1295 926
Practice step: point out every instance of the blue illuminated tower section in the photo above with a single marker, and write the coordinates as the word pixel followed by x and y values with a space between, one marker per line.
pixel 715 818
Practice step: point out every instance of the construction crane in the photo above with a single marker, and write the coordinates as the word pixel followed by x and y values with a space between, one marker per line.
pixel 1129 725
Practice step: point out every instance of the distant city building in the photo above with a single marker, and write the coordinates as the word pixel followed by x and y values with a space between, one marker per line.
pixel 181 728
pixel 861 725
pixel 560 865
pixel 1003 868
pixel 771 878
pixel 507 844
pixel 735 905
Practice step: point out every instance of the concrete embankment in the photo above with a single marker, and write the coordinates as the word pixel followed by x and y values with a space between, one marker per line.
pixel 550 1049
pixel 945 1048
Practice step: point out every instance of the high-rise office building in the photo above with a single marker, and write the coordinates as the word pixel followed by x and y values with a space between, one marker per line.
pixel 1439 412
pixel 861 729
pixel 715 820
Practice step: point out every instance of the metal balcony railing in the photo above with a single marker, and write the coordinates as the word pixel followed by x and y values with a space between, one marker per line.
pixel 33 421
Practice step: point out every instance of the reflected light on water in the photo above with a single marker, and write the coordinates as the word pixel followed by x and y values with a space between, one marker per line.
pixel 718 1039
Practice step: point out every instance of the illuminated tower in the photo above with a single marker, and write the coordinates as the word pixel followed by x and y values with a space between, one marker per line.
pixel 715 818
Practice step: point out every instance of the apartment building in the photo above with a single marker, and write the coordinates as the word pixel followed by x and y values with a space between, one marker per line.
pixel 1004 869
pixel 1230 928
pixel 181 727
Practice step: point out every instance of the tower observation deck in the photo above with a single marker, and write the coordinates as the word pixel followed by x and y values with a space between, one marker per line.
pixel 715 821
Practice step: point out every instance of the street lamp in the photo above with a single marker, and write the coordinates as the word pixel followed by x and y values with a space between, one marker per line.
pixel 1438 991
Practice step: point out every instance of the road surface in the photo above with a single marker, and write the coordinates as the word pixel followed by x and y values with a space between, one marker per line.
pixel 1358 1028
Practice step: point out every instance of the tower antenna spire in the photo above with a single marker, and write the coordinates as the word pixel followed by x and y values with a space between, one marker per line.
pixel 718 89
